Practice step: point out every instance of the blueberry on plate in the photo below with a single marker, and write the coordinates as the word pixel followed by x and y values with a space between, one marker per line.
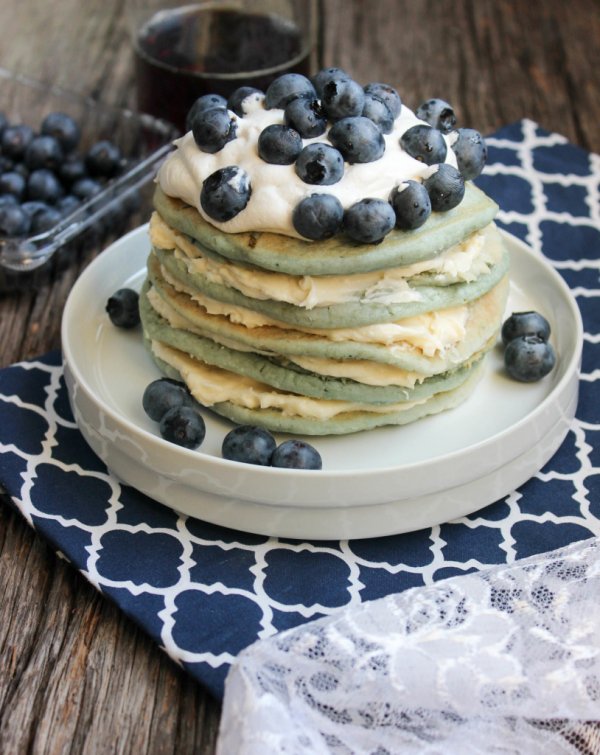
pixel 6 199
pixel 250 445
pixel 386 94
pixel 236 99
pixel 325 75
pixel 320 164
pixel 437 113
pixel 471 152
pixel 529 358
pixel 446 188
pixel 358 139
pixel 63 128
pixel 525 324
pixel 306 116
pixel 164 394
pixel 279 144
pixel 14 221
pixel 44 186
pixel 286 88
pixel 122 308
pixel 15 140
pixel 377 111
pixel 43 152
pixel 225 193
pixel 206 102
pixel 318 216
pixel 369 220
pixel 296 454
pixel 183 426
pixel 44 219
pixel 103 159
pixel 342 98
pixel 72 170
pixel 425 144
pixel 212 129
pixel 411 205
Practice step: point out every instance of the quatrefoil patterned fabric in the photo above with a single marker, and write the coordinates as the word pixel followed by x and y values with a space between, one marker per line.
pixel 203 592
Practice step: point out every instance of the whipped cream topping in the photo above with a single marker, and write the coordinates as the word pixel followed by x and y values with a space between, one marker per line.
pixel 276 189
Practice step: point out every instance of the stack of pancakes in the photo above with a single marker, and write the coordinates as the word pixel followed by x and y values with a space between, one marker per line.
pixel 330 337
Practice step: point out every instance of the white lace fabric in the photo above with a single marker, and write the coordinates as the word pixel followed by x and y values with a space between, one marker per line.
pixel 505 660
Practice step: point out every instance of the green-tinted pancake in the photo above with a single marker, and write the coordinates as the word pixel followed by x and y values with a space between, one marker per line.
pixel 288 377
pixel 482 324
pixel 343 423
pixel 344 315
pixel 336 256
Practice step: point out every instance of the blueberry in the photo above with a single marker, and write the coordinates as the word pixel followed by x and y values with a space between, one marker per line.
pixel 164 394
pixel 286 88
pixel 45 220
pixel 529 358
pixel 525 324
pixel 6 164
pixel 183 426
pixel 324 76
pixel 411 205
pixel 212 129
pixel 471 152
pixel 122 308
pixel 86 188
pixel 236 99
pixel 249 444
pixel 103 159
pixel 343 98
pixel 279 144
pixel 43 152
pixel 14 221
pixel 13 183
pixel 437 113
pixel 63 128
pixel 225 193
pixel 318 216
pixel 358 139
pixel 44 185
pixel 8 199
pixel 446 188
pixel 15 140
pixel 369 220
pixel 68 204
pixel 206 102
pixel 306 116
pixel 320 164
pixel 387 94
pixel 424 143
pixel 72 170
pixel 296 454
pixel 378 112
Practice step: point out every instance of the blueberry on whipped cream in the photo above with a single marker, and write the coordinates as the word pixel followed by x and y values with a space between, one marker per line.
pixel 360 144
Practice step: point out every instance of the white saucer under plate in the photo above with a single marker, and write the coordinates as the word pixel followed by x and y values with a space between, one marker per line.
pixel 380 482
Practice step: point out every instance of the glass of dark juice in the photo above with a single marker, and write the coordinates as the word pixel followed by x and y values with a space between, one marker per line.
pixel 185 51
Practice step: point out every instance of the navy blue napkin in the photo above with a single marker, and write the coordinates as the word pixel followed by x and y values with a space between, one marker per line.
pixel 203 592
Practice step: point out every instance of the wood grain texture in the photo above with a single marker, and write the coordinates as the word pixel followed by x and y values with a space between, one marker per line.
pixel 76 675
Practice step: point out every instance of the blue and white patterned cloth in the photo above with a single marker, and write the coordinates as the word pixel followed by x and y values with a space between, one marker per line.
pixel 203 592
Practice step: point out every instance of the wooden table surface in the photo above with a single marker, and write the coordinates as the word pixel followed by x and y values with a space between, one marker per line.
pixel 76 676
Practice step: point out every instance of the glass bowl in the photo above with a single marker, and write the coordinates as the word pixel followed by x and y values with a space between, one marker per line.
pixel 143 140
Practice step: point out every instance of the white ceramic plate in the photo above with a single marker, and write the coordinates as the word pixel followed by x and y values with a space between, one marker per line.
pixel 374 483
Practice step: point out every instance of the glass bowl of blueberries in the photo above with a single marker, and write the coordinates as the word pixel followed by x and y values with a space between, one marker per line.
pixel 69 167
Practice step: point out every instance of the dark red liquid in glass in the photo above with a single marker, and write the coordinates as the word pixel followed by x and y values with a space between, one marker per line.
pixel 177 51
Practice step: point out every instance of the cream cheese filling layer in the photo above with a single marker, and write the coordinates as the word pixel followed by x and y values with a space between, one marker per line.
pixel 463 262
pixel 430 333
pixel 213 385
